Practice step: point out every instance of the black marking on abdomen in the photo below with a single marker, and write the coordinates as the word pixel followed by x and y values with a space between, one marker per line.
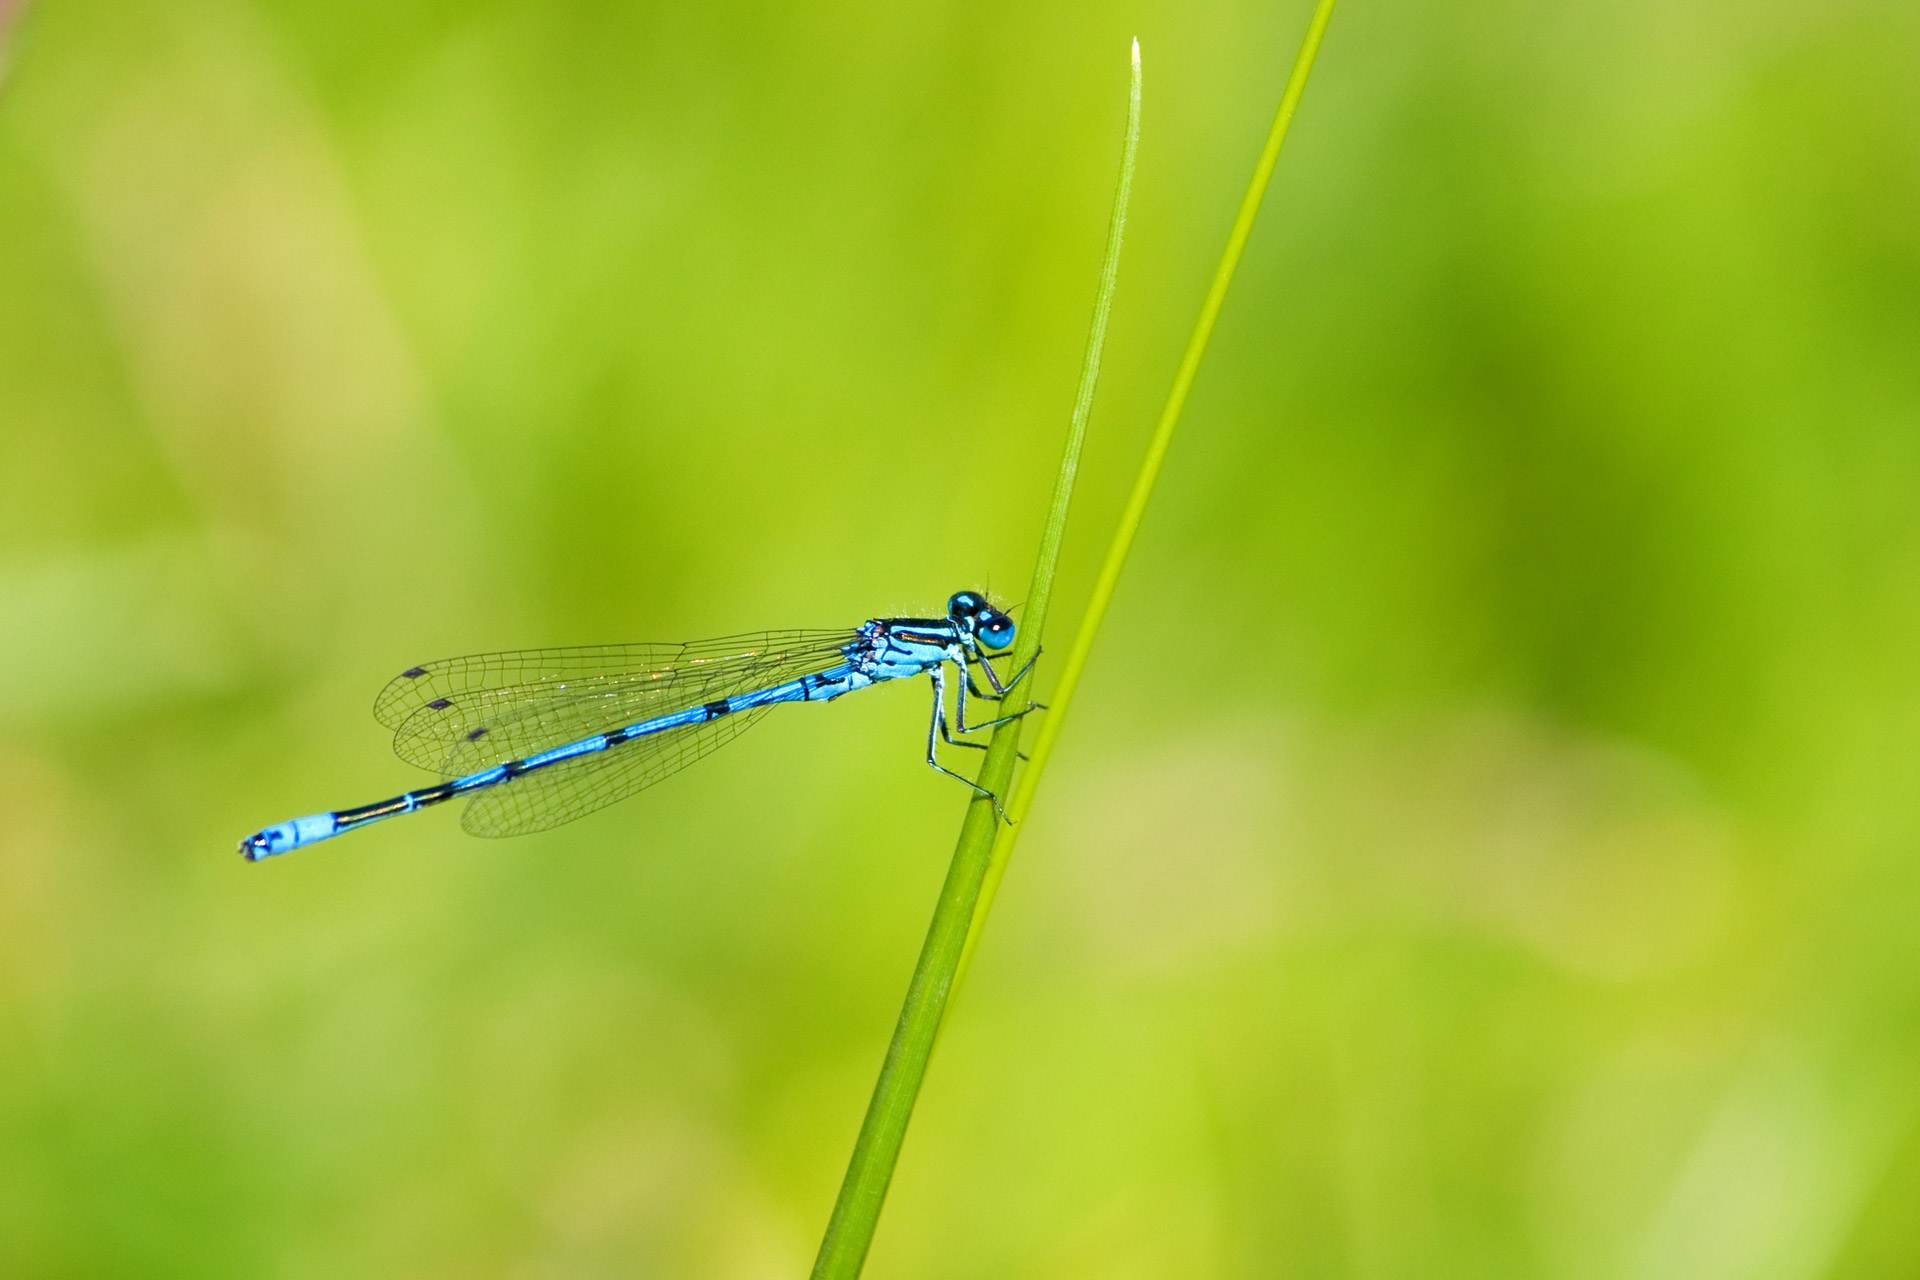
pixel 512 769
pixel 407 803
pixel 715 710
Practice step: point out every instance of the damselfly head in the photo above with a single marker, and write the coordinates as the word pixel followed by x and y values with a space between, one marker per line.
pixel 976 614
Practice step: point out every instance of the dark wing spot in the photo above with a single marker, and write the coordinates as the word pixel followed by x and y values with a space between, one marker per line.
pixel 440 704
pixel 413 673
pixel 475 735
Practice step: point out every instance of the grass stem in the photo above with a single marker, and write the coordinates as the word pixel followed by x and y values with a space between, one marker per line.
pixel 1061 696
pixel 877 1149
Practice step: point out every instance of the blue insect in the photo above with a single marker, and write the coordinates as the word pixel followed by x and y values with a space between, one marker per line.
pixel 540 737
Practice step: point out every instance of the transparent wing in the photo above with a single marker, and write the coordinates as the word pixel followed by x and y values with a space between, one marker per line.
pixel 559 793
pixel 459 715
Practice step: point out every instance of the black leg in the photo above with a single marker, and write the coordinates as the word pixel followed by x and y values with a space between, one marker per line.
pixel 960 713
pixel 993 677
pixel 938 726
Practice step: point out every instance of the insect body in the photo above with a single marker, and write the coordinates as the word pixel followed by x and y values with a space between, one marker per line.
pixel 539 737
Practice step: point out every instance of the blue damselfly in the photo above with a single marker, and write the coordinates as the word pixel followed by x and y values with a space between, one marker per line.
pixel 539 737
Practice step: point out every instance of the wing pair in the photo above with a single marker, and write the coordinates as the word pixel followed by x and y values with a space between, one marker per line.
pixel 460 715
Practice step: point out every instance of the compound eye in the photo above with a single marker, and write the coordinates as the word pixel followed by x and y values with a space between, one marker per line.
pixel 997 634
pixel 964 603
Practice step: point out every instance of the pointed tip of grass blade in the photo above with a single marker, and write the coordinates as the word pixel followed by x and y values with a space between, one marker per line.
pixel 1068 677
pixel 863 1191
pixel 981 853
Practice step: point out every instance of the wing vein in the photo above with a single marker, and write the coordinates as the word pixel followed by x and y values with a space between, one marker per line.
pixel 457 716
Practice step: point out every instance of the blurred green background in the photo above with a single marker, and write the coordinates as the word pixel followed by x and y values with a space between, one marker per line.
pixel 1487 843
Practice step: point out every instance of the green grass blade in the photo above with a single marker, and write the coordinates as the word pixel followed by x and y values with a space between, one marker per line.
pixel 1061 697
pixel 877 1149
